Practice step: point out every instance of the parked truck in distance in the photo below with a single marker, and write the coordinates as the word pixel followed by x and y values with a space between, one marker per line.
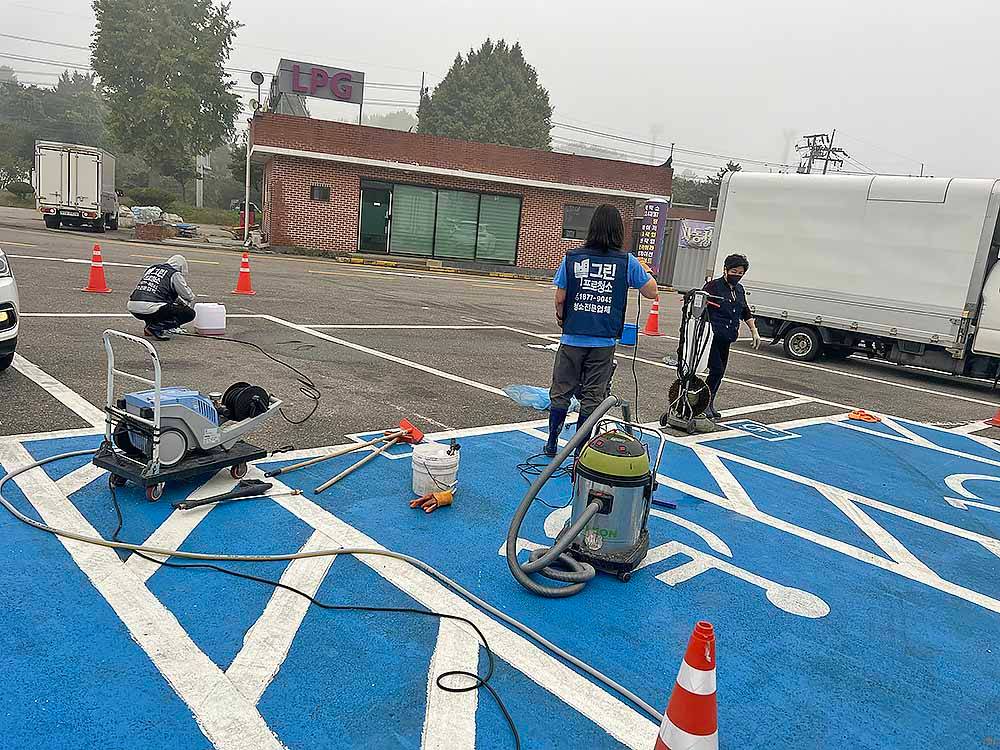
pixel 902 269
pixel 75 185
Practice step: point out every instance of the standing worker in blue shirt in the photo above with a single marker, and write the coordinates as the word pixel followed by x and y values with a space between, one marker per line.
pixel 591 297
pixel 725 314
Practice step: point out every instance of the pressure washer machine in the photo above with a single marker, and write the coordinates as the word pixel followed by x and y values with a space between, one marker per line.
pixel 175 433
pixel 613 483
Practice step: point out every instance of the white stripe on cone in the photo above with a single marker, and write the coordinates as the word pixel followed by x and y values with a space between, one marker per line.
pixel 697 681
pixel 672 737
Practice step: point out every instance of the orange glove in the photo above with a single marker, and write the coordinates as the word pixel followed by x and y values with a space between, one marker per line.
pixel 433 500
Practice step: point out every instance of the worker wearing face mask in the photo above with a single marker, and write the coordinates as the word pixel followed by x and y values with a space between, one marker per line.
pixel 725 313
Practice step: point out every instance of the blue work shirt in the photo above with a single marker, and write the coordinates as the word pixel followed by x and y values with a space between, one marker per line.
pixel 637 277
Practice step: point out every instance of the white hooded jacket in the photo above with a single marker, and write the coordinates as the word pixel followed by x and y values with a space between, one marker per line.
pixel 179 283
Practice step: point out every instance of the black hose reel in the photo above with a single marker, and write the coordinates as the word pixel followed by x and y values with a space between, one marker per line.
pixel 245 401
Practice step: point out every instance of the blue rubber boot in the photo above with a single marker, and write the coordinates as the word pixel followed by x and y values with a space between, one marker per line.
pixel 557 417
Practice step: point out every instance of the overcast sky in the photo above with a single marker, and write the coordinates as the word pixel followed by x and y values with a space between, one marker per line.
pixel 903 81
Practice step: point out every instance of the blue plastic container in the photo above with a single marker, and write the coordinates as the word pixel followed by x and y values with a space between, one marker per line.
pixel 630 335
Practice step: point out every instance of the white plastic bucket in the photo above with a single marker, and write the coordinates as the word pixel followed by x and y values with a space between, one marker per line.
pixel 433 469
pixel 210 318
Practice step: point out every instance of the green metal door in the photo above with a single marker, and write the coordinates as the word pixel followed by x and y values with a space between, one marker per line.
pixel 376 206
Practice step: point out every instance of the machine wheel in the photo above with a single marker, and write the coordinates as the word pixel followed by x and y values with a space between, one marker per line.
pixel 154 492
pixel 625 577
pixel 802 344
pixel 173 447
pixel 52 222
pixel 239 471
pixel 99 225
pixel 117 481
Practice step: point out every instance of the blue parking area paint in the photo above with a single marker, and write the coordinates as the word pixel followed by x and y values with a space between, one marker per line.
pixel 72 676
pixel 758 430
pixel 907 475
pixel 360 678
pixel 216 609
pixel 40 449
pixel 824 638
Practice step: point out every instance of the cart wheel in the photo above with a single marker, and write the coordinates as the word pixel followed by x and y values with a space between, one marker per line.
pixel 154 492
pixel 625 577
pixel 239 471
pixel 118 481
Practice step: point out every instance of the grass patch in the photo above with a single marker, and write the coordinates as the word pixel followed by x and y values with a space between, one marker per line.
pixel 193 215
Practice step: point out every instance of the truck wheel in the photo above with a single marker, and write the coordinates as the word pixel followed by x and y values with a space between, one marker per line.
pixel 6 361
pixel 802 344
pixel 51 222
pixel 99 225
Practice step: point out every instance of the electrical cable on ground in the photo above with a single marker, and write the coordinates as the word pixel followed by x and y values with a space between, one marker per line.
pixel 306 385
pixel 420 565
pixel 479 681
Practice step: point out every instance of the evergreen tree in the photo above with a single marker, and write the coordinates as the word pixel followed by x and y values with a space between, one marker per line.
pixel 492 96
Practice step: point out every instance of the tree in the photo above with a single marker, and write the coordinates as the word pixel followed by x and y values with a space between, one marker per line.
pixel 492 96
pixel 7 74
pixel 238 163
pixel 731 166
pixel 398 120
pixel 161 73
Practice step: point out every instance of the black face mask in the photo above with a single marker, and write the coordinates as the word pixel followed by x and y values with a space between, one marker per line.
pixel 733 280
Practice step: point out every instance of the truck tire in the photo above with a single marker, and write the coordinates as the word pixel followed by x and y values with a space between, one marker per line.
pixel 99 225
pixel 802 344
pixel 51 222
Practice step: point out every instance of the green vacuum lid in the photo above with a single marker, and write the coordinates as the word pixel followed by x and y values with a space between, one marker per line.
pixel 615 454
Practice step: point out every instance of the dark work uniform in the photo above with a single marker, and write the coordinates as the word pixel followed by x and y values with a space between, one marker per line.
pixel 725 316
pixel 156 285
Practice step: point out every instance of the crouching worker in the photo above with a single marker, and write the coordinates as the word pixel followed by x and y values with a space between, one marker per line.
pixel 592 286
pixel 162 299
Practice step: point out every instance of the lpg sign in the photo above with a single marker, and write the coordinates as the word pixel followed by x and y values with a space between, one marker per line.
pixel 307 79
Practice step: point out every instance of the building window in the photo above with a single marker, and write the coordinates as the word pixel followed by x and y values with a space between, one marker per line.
pixel 319 193
pixel 444 223
pixel 576 221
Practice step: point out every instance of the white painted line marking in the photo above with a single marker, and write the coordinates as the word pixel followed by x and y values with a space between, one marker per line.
pixel 710 538
pixel 924 444
pixel 51 435
pixel 79 478
pixel 63 394
pixel 75 315
pixel 450 718
pixel 972 427
pixel 4 243
pixel 753 408
pixel 164 259
pixel 267 643
pixel 389 357
pixel 619 720
pixel 79 261
pixel 738 498
pixel 223 715
pixel 404 327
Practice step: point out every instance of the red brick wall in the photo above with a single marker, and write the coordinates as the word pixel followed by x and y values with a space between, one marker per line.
pixel 285 131
pixel 291 219
pixel 698 214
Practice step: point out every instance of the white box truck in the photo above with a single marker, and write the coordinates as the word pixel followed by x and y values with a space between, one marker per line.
pixel 902 269
pixel 75 185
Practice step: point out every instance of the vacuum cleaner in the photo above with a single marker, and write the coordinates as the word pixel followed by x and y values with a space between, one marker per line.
pixel 613 484
pixel 689 396
pixel 176 432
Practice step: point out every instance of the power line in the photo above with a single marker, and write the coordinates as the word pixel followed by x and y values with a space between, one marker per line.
pixel 44 41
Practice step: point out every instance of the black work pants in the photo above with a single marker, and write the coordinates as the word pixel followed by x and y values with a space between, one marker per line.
pixel 170 315
pixel 584 372
pixel 718 359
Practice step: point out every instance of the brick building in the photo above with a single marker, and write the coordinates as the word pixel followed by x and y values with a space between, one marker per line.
pixel 335 187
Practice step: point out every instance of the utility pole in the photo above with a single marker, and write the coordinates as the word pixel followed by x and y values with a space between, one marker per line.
pixel 829 150
pixel 819 147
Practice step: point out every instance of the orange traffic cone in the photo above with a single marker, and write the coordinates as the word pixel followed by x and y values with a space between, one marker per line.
pixel 97 282
pixel 691 721
pixel 653 321
pixel 243 285
pixel 996 419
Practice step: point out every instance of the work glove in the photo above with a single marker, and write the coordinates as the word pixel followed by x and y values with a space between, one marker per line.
pixel 433 500
pixel 756 339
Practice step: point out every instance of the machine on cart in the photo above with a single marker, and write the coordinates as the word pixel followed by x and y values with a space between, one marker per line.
pixel 169 434
pixel 689 396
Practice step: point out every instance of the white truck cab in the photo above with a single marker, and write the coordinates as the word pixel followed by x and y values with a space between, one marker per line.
pixel 9 313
